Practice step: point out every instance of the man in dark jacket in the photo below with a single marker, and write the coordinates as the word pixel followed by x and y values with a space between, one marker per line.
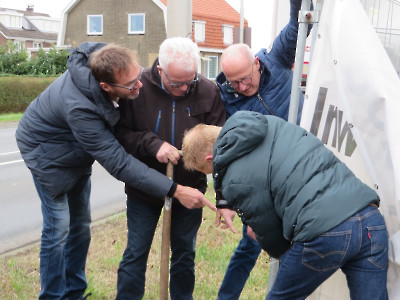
pixel 174 98
pixel 261 83
pixel 61 133
pixel 302 203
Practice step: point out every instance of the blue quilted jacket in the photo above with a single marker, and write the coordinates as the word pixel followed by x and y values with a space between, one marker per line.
pixel 273 97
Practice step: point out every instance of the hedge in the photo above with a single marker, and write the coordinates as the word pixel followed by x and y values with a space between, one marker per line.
pixel 16 92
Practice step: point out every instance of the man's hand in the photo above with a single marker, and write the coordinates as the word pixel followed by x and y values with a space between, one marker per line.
pixel 167 153
pixel 251 233
pixel 225 216
pixel 192 198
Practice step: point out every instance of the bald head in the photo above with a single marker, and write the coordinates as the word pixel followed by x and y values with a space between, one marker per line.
pixel 236 54
pixel 241 69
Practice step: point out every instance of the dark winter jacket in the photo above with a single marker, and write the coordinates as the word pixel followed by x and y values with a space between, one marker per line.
pixel 69 125
pixel 283 181
pixel 156 117
pixel 273 97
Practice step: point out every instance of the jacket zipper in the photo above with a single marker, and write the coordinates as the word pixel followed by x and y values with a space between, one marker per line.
pixel 173 124
pixel 265 105
pixel 158 122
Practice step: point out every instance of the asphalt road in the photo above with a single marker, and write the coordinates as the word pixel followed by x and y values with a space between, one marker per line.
pixel 20 214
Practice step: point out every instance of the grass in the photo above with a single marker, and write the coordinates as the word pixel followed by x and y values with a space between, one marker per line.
pixel 10 117
pixel 19 274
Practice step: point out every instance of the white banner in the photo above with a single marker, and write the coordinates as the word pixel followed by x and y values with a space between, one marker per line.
pixel 352 103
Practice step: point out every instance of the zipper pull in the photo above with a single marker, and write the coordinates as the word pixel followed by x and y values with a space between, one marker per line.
pixel 188 111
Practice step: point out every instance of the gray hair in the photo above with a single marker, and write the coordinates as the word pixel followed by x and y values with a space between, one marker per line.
pixel 237 51
pixel 180 51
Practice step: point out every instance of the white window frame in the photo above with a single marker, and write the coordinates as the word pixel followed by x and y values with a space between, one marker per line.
pixel 227 33
pixel 199 31
pixel 207 66
pixel 37 45
pixel 89 32
pixel 130 31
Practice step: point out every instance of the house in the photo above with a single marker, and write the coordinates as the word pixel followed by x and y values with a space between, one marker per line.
pixel 27 29
pixel 141 25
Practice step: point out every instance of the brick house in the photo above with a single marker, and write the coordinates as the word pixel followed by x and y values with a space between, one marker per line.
pixel 141 26
pixel 27 29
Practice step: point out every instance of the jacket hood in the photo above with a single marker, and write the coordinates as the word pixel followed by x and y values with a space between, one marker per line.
pixel 242 132
pixel 78 66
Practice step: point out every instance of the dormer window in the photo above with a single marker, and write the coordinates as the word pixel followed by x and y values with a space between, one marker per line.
pixel 199 31
pixel 11 19
pixel 227 32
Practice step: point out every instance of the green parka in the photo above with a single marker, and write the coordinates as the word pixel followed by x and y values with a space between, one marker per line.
pixel 283 182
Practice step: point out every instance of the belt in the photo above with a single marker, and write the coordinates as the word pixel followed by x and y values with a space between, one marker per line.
pixel 374 204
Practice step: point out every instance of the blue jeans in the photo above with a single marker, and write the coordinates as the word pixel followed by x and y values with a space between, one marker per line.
pixel 142 220
pixel 65 241
pixel 358 246
pixel 239 268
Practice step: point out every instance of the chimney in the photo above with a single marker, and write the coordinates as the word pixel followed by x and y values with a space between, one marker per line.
pixel 29 7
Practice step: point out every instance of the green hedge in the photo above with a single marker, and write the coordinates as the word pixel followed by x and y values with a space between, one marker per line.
pixel 16 92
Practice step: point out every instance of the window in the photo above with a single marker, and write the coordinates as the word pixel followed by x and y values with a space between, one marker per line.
pixel 199 31
pixel 211 67
pixel 227 32
pixel 37 45
pixel 136 23
pixel 95 25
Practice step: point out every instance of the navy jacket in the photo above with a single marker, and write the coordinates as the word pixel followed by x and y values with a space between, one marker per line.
pixel 273 97
pixel 69 125
pixel 284 183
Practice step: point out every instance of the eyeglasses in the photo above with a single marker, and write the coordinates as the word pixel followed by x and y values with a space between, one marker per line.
pixel 134 83
pixel 245 81
pixel 180 84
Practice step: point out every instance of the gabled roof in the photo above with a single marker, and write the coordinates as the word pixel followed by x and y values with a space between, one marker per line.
pixel 215 13
pixel 28 30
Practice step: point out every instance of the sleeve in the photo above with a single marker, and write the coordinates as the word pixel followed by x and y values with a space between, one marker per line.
pixel 255 207
pixel 136 143
pixel 284 46
pixel 97 139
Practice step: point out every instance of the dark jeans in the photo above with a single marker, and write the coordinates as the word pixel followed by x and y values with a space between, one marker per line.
pixel 65 242
pixel 239 268
pixel 142 222
pixel 358 246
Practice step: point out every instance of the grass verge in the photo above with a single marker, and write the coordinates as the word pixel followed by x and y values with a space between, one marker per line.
pixel 14 117
pixel 19 273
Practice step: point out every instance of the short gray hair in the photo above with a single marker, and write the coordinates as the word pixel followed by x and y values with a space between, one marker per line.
pixel 180 51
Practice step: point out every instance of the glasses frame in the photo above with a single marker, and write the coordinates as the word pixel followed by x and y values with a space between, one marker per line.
pixel 180 84
pixel 130 88
pixel 235 83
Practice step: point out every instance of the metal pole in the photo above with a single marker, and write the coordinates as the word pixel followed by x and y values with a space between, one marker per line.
pixel 165 241
pixel 241 29
pixel 305 18
pixel 179 18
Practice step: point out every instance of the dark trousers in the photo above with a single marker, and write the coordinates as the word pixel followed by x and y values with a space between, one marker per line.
pixel 142 220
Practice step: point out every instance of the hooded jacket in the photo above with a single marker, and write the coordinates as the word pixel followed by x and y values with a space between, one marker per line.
pixel 156 117
pixel 273 96
pixel 283 182
pixel 70 124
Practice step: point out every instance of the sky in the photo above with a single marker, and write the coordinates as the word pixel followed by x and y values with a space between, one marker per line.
pixel 257 12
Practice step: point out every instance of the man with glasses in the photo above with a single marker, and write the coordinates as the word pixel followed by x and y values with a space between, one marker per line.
pixel 174 98
pixel 62 132
pixel 260 83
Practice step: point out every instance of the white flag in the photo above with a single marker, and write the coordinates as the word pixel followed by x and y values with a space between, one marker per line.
pixel 352 103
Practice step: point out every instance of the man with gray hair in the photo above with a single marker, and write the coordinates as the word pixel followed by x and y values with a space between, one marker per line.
pixel 174 98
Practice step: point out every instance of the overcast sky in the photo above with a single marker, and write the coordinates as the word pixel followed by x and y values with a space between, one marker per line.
pixel 257 12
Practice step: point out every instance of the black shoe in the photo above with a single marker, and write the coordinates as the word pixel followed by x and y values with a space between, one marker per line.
pixel 87 295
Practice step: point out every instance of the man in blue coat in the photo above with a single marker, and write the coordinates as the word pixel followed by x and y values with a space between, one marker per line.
pixel 62 132
pixel 260 83
pixel 302 203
